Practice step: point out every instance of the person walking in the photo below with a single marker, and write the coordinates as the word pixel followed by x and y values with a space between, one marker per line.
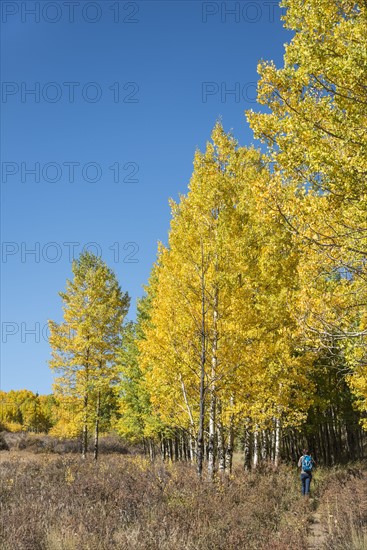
pixel 306 463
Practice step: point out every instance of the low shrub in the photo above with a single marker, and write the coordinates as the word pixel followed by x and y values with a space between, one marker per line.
pixel 42 443
pixel 343 509
pixel 123 502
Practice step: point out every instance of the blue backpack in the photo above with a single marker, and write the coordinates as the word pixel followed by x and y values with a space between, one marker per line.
pixel 307 464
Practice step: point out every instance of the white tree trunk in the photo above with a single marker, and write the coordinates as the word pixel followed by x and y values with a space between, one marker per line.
pixel 277 442
pixel 221 450
pixel 96 426
pixel 264 450
pixel 247 448
pixel 255 456
pixel 212 408
pixel 230 441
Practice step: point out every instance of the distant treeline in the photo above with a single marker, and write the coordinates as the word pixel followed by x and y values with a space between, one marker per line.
pixel 25 411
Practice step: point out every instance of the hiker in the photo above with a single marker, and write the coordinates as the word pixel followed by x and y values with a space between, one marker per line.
pixel 306 462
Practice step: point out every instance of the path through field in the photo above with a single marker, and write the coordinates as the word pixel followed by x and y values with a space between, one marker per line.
pixel 321 529
pixel 318 533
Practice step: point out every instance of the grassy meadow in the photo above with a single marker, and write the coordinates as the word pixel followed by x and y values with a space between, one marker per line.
pixel 57 501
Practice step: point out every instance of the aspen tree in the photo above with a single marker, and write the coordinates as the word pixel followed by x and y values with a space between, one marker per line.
pixel 316 134
pixel 188 345
pixel 85 344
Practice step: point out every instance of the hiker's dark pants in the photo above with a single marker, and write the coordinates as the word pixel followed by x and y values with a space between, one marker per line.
pixel 306 480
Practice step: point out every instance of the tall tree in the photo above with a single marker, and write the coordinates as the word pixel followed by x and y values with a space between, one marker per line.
pixel 85 344
pixel 316 134
pixel 137 421
pixel 183 343
pixel 220 332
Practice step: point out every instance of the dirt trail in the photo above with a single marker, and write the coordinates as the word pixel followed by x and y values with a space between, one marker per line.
pixel 318 528
pixel 317 534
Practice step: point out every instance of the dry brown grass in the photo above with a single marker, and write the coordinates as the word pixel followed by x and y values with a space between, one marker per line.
pixel 343 508
pixel 43 443
pixel 63 503
pixel 53 502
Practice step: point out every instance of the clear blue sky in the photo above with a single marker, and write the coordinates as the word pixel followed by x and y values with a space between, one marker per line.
pixel 113 89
